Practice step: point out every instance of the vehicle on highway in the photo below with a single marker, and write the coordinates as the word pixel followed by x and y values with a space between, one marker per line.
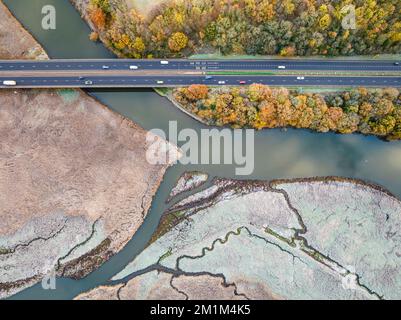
pixel 396 63
pixel 281 67
pixel 105 67
pixel 163 62
pixel 9 83
pixel 88 82
pixel 300 78
pixel 133 67
pixel 242 82
pixel 81 78
pixel 222 82
pixel 208 78
pixel 160 82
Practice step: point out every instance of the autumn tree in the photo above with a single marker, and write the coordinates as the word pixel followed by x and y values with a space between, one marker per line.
pixel 197 92
pixel 177 41
pixel 98 18
pixel 375 112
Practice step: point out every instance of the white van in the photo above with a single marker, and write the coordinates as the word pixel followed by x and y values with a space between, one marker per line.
pixel 163 62
pixel 281 67
pixel 133 67
pixel 160 82
pixel 9 83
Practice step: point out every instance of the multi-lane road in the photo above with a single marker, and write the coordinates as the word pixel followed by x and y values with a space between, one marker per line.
pixel 185 64
pixel 183 80
pixel 154 73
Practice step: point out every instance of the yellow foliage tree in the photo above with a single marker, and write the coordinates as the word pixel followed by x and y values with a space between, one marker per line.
pixel 138 45
pixel 325 21
pixel 177 41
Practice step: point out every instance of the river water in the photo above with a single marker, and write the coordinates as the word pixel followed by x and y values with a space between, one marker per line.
pixel 278 154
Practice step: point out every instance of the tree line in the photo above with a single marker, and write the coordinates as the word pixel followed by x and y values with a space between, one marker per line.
pixel 371 112
pixel 178 28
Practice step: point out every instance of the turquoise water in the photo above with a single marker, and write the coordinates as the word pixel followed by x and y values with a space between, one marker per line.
pixel 278 154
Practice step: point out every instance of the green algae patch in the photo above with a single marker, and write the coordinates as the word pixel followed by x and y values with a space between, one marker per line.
pixel 5 251
pixel 68 95
pixel 166 255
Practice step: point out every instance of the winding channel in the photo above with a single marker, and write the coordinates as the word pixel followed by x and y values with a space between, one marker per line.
pixel 278 154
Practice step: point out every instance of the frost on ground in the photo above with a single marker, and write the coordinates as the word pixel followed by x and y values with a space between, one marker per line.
pixel 298 239
pixel 187 182
pixel 161 285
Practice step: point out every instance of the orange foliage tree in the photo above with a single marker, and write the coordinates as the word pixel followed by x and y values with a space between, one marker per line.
pixel 98 18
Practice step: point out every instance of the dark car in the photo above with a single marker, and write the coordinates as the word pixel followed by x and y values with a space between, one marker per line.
pixel 396 63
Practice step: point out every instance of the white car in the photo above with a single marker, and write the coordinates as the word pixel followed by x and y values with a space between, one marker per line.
pixel 160 82
pixel 281 67
pixel 88 82
pixel 163 62
pixel 300 78
pixel 105 67
pixel 222 82
pixel 133 67
pixel 9 83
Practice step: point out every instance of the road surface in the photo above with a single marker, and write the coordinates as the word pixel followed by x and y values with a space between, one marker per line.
pixel 151 73
pixel 174 81
pixel 211 65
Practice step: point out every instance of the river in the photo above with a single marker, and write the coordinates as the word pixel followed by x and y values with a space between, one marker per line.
pixel 278 154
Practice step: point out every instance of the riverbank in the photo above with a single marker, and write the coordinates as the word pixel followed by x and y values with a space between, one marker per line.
pixel 75 182
pixel 15 41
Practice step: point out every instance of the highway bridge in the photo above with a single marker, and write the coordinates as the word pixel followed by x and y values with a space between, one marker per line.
pixel 173 73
